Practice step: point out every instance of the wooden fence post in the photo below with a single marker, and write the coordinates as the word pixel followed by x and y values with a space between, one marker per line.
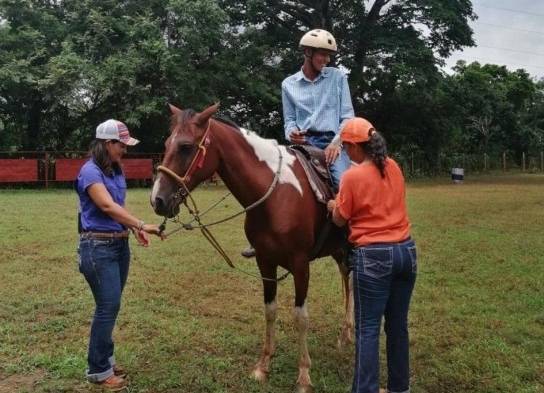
pixel 504 161
pixel 542 161
pixel 523 162
pixel 412 163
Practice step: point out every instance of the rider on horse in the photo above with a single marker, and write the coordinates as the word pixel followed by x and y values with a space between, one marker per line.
pixel 316 104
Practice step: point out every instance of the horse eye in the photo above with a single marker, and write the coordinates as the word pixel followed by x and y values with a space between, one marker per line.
pixel 184 149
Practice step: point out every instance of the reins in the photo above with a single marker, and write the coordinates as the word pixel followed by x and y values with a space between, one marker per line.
pixel 183 194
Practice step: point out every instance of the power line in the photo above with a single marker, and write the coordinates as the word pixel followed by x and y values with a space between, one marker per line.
pixel 511 50
pixel 512 10
pixel 510 28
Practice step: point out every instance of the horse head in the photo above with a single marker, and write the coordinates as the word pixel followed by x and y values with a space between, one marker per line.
pixel 188 159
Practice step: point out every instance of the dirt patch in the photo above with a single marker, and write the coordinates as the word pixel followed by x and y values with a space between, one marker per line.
pixel 21 382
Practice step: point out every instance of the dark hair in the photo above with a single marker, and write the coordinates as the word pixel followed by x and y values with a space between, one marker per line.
pixel 376 149
pixel 100 156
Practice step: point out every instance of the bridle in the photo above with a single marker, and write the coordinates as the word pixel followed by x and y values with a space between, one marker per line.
pixel 196 163
pixel 183 194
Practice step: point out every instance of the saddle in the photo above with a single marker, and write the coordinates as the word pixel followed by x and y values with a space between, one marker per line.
pixel 312 160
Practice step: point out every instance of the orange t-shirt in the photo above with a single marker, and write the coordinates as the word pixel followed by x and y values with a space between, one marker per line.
pixel 374 206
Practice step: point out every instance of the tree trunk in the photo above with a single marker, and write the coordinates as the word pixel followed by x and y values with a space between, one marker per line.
pixel 33 139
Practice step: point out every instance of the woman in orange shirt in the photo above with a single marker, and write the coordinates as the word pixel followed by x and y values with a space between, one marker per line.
pixel 371 201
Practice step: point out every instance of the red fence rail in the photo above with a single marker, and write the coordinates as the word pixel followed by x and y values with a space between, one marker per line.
pixel 46 167
pixel 18 170
pixel 67 169
pixel 138 168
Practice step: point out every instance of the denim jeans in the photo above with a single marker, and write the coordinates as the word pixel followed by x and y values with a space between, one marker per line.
pixel 383 279
pixel 104 263
pixel 342 162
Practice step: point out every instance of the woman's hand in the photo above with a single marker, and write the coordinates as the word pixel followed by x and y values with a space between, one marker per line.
pixel 142 235
pixel 335 215
pixel 154 229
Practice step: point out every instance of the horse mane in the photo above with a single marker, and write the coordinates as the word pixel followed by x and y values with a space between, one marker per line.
pixel 227 122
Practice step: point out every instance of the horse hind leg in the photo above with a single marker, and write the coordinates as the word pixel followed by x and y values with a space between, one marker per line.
pixel 347 330
pixel 262 368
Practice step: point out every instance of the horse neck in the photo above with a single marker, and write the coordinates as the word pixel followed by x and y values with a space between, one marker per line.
pixel 244 174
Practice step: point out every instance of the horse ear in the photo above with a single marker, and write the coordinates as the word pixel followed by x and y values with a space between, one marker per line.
pixel 205 115
pixel 174 109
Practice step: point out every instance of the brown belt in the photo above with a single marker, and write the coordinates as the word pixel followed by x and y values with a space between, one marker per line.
pixel 104 235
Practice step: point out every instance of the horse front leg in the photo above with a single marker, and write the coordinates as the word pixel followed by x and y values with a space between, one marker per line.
pixel 346 333
pixel 302 323
pixel 262 368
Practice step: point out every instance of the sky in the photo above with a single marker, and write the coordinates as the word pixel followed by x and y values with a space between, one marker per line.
pixel 507 32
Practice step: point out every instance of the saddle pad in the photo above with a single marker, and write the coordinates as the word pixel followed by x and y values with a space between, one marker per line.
pixel 313 161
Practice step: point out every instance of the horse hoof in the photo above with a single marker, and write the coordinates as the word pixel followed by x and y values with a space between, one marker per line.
pixel 259 375
pixel 305 389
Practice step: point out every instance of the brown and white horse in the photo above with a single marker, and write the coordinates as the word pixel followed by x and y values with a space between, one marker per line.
pixel 283 228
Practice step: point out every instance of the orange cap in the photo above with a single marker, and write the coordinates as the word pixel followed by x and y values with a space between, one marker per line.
pixel 357 130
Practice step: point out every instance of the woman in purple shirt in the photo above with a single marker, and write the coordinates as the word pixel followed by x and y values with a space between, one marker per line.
pixel 104 253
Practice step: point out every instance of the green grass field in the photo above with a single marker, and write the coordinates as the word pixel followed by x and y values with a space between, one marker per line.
pixel 189 324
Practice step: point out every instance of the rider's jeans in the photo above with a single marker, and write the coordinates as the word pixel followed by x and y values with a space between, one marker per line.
pixel 383 279
pixel 104 263
pixel 342 162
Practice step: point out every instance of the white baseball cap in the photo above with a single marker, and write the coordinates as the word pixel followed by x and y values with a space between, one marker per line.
pixel 116 130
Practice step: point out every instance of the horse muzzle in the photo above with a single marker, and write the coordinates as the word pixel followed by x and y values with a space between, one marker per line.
pixel 168 208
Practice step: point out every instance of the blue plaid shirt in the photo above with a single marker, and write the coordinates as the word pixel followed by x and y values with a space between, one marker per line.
pixel 323 104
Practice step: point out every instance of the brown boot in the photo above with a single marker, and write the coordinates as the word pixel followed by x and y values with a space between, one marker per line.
pixel 113 383
pixel 119 371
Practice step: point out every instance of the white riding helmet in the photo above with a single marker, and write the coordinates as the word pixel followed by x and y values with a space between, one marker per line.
pixel 319 39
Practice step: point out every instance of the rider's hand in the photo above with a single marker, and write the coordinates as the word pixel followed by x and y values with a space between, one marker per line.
pixel 331 205
pixel 331 153
pixel 297 137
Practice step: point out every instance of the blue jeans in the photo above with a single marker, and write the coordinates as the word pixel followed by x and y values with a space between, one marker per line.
pixel 383 279
pixel 342 162
pixel 104 263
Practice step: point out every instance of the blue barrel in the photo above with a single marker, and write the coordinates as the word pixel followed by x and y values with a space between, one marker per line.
pixel 457 175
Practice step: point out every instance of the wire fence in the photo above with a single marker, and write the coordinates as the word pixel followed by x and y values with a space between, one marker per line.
pixel 416 164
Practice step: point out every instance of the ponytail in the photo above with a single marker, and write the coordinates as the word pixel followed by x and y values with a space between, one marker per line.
pixel 376 149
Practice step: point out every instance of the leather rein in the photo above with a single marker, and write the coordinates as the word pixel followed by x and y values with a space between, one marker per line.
pixel 183 194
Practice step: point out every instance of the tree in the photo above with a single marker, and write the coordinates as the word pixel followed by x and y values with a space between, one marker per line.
pixel 383 45
pixel 66 66
pixel 493 105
